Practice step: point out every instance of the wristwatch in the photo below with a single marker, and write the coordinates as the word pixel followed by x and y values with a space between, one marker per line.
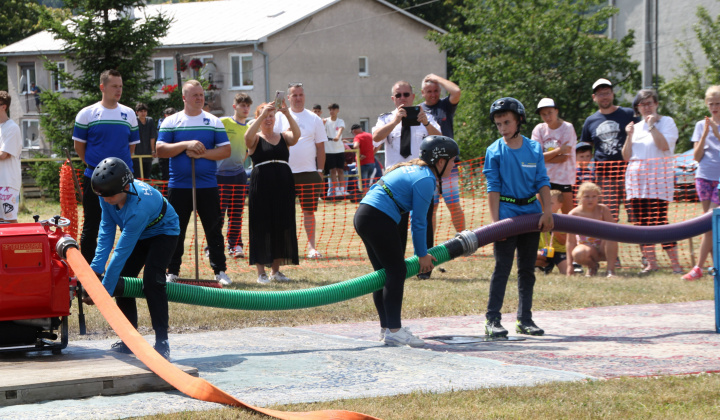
pixel 425 125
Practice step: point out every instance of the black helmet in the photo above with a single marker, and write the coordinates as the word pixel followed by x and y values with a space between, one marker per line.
pixel 110 177
pixel 433 148
pixel 508 104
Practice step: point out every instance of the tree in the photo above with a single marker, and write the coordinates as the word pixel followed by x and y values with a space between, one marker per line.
pixel 530 49
pixel 683 97
pixel 18 19
pixel 441 13
pixel 101 35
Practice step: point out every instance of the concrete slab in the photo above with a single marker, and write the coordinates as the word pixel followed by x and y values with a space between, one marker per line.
pixel 77 373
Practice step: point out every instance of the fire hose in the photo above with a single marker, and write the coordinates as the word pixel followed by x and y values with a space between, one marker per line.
pixel 466 243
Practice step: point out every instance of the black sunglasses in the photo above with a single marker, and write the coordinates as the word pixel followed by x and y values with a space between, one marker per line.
pixel 405 94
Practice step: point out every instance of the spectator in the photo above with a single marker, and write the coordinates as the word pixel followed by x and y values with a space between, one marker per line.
pixel 406 186
pixel 307 159
pixel 36 94
pixel 585 250
pixel 513 188
pixel 402 137
pixel 231 176
pixel 164 162
pixel 10 172
pixel 184 136
pixel 363 141
pixel 335 152
pixel 443 111
pixel 706 146
pixel 583 159
pixel 605 129
pixel 273 238
pixel 649 178
pixel 102 130
pixel 317 110
pixel 148 135
pixel 551 249
pixel 148 234
pixel 558 140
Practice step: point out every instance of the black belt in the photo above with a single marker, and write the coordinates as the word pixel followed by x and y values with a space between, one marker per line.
pixel 390 194
pixel 160 216
pixel 518 201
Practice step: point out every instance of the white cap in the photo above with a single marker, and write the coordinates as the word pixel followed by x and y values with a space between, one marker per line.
pixel 601 82
pixel 545 103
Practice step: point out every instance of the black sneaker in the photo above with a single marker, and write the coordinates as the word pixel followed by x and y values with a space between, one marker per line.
pixel 528 327
pixel 493 328
pixel 424 276
pixel 120 347
pixel 163 347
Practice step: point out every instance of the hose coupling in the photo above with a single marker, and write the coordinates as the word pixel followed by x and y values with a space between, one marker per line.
pixel 469 242
pixel 63 244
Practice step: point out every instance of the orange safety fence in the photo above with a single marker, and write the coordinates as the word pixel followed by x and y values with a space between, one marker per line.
pixel 340 245
pixel 191 386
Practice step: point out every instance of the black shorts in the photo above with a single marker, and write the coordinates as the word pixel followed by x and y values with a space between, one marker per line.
pixel 334 160
pixel 561 187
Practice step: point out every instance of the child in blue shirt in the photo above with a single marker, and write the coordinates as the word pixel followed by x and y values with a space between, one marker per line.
pixel 515 172
pixel 149 230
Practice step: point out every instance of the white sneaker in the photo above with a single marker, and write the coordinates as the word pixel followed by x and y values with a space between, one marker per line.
pixel 223 278
pixel 403 337
pixel 279 277
pixel 170 278
pixel 382 334
pixel 206 250
pixel 263 279
pixel 314 254
pixel 237 252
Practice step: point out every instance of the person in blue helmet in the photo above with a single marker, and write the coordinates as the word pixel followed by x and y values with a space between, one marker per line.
pixel 149 230
pixel 515 173
pixel 405 187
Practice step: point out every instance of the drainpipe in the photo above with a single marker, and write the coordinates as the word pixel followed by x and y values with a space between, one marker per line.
pixel 266 64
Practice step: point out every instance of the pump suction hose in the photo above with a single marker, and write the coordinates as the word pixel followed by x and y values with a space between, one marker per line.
pixel 465 243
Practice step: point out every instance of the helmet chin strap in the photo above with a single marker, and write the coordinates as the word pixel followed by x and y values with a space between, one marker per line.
pixel 135 193
pixel 439 175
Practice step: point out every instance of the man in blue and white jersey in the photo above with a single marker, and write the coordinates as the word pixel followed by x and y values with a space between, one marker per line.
pixel 195 134
pixel 104 129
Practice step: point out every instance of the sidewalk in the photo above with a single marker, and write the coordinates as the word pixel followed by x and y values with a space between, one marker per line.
pixel 264 366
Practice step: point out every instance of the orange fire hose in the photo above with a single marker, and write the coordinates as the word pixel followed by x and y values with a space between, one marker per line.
pixel 189 385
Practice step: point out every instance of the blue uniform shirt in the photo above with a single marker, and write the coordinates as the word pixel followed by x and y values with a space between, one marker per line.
pixel 517 173
pixel 206 128
pixel 412 187
pixel 132 219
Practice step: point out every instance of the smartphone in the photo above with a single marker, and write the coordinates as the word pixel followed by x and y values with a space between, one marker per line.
pixel 279 94
pixel 412 116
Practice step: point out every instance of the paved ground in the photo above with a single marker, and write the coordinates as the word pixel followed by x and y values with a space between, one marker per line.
pixel 265 366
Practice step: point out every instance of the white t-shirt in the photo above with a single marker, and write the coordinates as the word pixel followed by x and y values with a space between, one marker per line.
pixel 331 129
pixel 709 165
pixel 11 143
pixel 392 141
pixel 312 131
pixel 650 172
pixel 559 173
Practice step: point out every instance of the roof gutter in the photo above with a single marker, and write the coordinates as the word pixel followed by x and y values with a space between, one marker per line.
pixel 266 64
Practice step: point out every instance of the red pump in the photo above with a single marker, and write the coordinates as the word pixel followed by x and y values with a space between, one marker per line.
pixel 36 286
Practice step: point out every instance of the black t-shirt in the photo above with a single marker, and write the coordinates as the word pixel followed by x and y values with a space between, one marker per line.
pixel 147 131
pixel 443 112
pixel 606 132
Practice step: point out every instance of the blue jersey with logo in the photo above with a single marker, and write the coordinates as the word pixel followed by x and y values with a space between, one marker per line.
pixel 517 173
pixel 205 128
pixel 106 133
pixel 132 219
pixel 412 187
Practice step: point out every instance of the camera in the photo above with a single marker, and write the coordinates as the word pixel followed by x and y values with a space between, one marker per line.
pixel 548 252
pixel 412 116
pixel 278 98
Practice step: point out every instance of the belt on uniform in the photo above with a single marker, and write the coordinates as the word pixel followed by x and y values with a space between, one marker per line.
pixel 518 201
pixel 381 183
pixel 160 216
pixel 270 161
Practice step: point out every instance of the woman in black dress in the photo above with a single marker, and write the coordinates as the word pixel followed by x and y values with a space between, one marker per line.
pixel 271 197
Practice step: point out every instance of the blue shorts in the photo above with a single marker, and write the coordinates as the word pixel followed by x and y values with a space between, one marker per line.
pixel 450 188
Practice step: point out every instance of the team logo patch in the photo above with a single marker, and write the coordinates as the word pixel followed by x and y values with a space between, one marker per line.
pixel 8 208
pixel 123 115
pixel 206 121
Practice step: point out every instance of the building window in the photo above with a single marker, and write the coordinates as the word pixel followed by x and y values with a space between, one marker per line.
pixel 241 70
pixel 27 77
pixel 363 69
pixel 31 134
pixel 57 80
pixel 196 74
pixel 164 71
pixel 365 124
